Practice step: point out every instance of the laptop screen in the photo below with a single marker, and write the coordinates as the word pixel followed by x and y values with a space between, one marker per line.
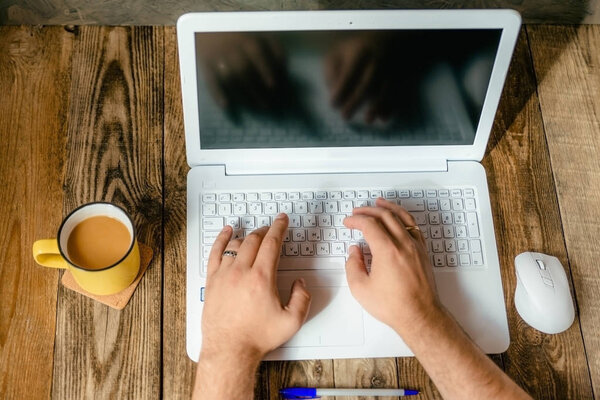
pixel 290 89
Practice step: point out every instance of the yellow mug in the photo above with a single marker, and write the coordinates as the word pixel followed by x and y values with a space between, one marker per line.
pixel 53 253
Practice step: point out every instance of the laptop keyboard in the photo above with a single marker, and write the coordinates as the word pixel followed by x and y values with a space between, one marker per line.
pixel 316 236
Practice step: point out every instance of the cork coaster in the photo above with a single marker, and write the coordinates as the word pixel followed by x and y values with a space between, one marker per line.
pixel 119 300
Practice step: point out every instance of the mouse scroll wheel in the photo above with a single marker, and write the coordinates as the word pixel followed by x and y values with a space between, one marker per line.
pixel 541 264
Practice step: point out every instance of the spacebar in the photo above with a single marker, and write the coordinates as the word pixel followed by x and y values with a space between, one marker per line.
pixel 296 263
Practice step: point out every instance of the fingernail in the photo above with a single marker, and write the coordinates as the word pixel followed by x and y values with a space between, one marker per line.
pixel 302 282
pixel 281 216
pixel 226 228
pixel 353 249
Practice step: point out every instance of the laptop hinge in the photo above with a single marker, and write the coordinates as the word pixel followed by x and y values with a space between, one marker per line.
pixel 270 167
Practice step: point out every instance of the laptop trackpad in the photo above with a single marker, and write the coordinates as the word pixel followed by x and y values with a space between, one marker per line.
pixel 335 317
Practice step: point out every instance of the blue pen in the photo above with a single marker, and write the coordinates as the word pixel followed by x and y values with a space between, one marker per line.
pixel 314 393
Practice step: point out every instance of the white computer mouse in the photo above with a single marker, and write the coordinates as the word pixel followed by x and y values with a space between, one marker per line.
pixel 543 298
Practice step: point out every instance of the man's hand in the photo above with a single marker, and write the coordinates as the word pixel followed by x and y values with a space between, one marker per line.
pixel 243 313
pixel 401 277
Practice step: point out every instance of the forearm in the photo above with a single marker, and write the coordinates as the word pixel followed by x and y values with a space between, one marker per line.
pixel 456 365
pixel 223 377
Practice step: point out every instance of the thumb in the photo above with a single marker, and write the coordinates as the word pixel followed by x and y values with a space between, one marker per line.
pixel 356 272
pixel 299 303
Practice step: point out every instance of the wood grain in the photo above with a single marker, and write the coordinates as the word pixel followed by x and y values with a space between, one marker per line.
pixel 366 373
pixel 308 373
pixel 178 369
pixel 526 218
pixel 166 12
pixel 35 67
pixel 114 153
pixel 569 60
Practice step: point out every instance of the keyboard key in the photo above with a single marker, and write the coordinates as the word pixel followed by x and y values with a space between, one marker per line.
pixel 477 259
pixel 432 205
pixel 357 235
pixel 252 196
pixel 338 248
pixel 431 193
pixel 288 235
pixel 234 222
pixel 476 246
pixel 420 218
pixel 239 208
pixel 455 193
pixel 452 260
pixel 469 193
pixel 434 218
pixel 286 208
pixel 329 234
pixel 444 193
pixel 266 196
pixel 465 259
pixel 404 194
pixel 279 196
pixel 436 232
pixel 389 194
pixel 270 208
pixel 321 195
pixel 225 209
pixel 315 207
pixel 413 205
pixel 255 208
pixel 461 231
pixel 345 234
pixel 472 225
pixel 324 220
pixel 459 218
pixel 291 249
pixel 307 249
pixel 307 195
pixel 212 224
pixel 335 195
pixel 450 246
pixel 263 221
pixel 298 235
pixel 208 237
pixel 448 231
pixel 417 193
pixel 375 194
pixel 338 220
pixel 438 260
pixel 445 205
pixel 314 234
pixel 437 246
pixel 209 197
pixel 294 196
pixel 224 197
pixel 446 218
pixel 294 221
pixel 470 204
pixel 331 206
pixel 209 209
pixel 300 207
pixel 323 249
pixel 349 194
pixel 248 223
pixel 361 203
pixel 457 204
pixel 463 246
pixel 346 206
pixel 362 194
pixel 309 221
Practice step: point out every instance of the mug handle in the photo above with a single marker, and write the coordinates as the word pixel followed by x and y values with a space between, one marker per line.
pixel 45 252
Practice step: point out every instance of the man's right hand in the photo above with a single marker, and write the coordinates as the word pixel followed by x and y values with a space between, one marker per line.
pixel 399 290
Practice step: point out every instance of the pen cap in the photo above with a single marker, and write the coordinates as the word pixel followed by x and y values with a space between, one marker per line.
pixel 299 393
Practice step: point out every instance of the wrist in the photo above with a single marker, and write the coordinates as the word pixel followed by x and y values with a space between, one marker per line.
pixel 433 317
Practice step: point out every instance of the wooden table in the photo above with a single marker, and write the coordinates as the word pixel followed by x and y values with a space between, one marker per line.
pixel 94 113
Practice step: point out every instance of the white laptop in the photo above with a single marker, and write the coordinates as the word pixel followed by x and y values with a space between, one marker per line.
pixel 315 113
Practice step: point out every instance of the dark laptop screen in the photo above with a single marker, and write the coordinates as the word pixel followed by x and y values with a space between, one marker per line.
pixel 342 88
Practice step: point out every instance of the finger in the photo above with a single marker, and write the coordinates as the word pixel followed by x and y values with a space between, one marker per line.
pixel 218 247
pixel 390 220
pixel 298 305
pixel 233 245
pixel 262 61
pixel 374 232
pixel 356 271
pixel 249 248
pixel 214 86
pixel 360 92
pixel 267 258
pixel 407 219
pixel 332 67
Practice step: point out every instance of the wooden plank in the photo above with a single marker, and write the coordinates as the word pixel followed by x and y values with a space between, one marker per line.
pixel 526 218
pixel 567 63
pixel 308 373
pixel 35 66
pixel 178 369
pixel 114 154
pixel 366 373
pixel 157 12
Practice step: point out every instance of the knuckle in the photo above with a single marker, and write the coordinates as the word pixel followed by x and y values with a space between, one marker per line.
pixel 270 242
